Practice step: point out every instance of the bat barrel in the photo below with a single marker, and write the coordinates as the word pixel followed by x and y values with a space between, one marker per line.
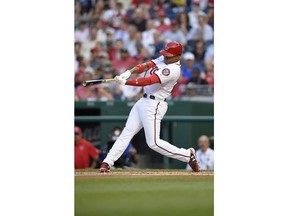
pixel 93 82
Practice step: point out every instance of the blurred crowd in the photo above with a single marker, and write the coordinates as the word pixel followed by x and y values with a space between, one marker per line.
pixel 112 36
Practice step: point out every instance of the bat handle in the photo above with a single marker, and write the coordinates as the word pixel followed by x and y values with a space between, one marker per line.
pixel 109 80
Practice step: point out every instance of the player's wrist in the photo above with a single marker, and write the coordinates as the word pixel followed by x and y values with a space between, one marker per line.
pixel 120 80
pixel 126 74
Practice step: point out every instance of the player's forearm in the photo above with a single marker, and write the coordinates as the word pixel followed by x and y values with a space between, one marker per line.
pixel 93 165
pixel 140 68
pixel 94 162
pixel 144 81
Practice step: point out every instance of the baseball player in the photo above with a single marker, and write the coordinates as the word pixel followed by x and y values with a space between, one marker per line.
pixel 160 76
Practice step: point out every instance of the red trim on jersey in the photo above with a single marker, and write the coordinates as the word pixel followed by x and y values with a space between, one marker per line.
pixel 144 81
pixel 155 135
pixel 158 77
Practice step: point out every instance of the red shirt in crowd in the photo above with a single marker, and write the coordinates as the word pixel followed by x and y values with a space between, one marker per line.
pixel 84 150
pixel 163 27
pixel 136 3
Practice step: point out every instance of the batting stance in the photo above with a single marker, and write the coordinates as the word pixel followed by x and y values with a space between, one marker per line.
pixel 160 76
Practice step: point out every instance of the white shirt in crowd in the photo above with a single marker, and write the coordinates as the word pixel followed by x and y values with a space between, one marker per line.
pixel 193 19
pixel 194 33
pixel 148 40
pixel 82 35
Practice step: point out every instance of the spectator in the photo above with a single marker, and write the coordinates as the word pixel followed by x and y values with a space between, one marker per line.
pixel 188 66
pixel 110 38
pixel 158 5
pixel 196 79
pixel 210 15
pixel 189 92
pixel 139 19
pixel 209 76
pixel 84 151
pixel 148 37
pixel 114 53
pixel 139 46
pixel 89 44
pixel 159 44
pixel 184 24
pixel 175 34
pixel 137 3
pixel 86 5
pixel 205 154
pixel 209 55
pixel 199 54
pixel 203 4
pixel 94 60
pixel 82 34
pixel 97 11
pixel 109 13
pixel 104 93
pixel 162 22
pixel 178 3
pixel 193 15
pixel 131 43
pixel 202 31
pixel 124 62
pixel 103 30
pixel 140 59
pixel 97 60
pixel 78 11
pixel 77 55
pixel 122 32
pixel 102 58
pixel 118 15
pixel 77 49
pixel 128 158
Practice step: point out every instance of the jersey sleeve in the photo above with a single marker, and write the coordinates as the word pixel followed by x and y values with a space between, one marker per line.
pixel 158 60
pixel 165 74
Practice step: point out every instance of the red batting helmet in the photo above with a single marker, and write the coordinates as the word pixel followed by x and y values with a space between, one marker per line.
pixel 172 48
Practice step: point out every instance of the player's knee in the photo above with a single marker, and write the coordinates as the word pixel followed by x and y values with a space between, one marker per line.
pixel 152 144
pixel 128 131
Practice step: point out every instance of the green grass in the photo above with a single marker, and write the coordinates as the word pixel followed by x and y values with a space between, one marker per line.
pixel 144 195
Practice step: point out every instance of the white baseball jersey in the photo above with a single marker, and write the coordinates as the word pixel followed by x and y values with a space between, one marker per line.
pixel 147 113
pixel 168 75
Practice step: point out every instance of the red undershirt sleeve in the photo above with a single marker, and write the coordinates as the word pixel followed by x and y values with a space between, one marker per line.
pixel 144 81
pixel 141 69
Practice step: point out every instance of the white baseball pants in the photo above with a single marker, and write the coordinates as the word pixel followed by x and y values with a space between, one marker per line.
pixel 146 113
